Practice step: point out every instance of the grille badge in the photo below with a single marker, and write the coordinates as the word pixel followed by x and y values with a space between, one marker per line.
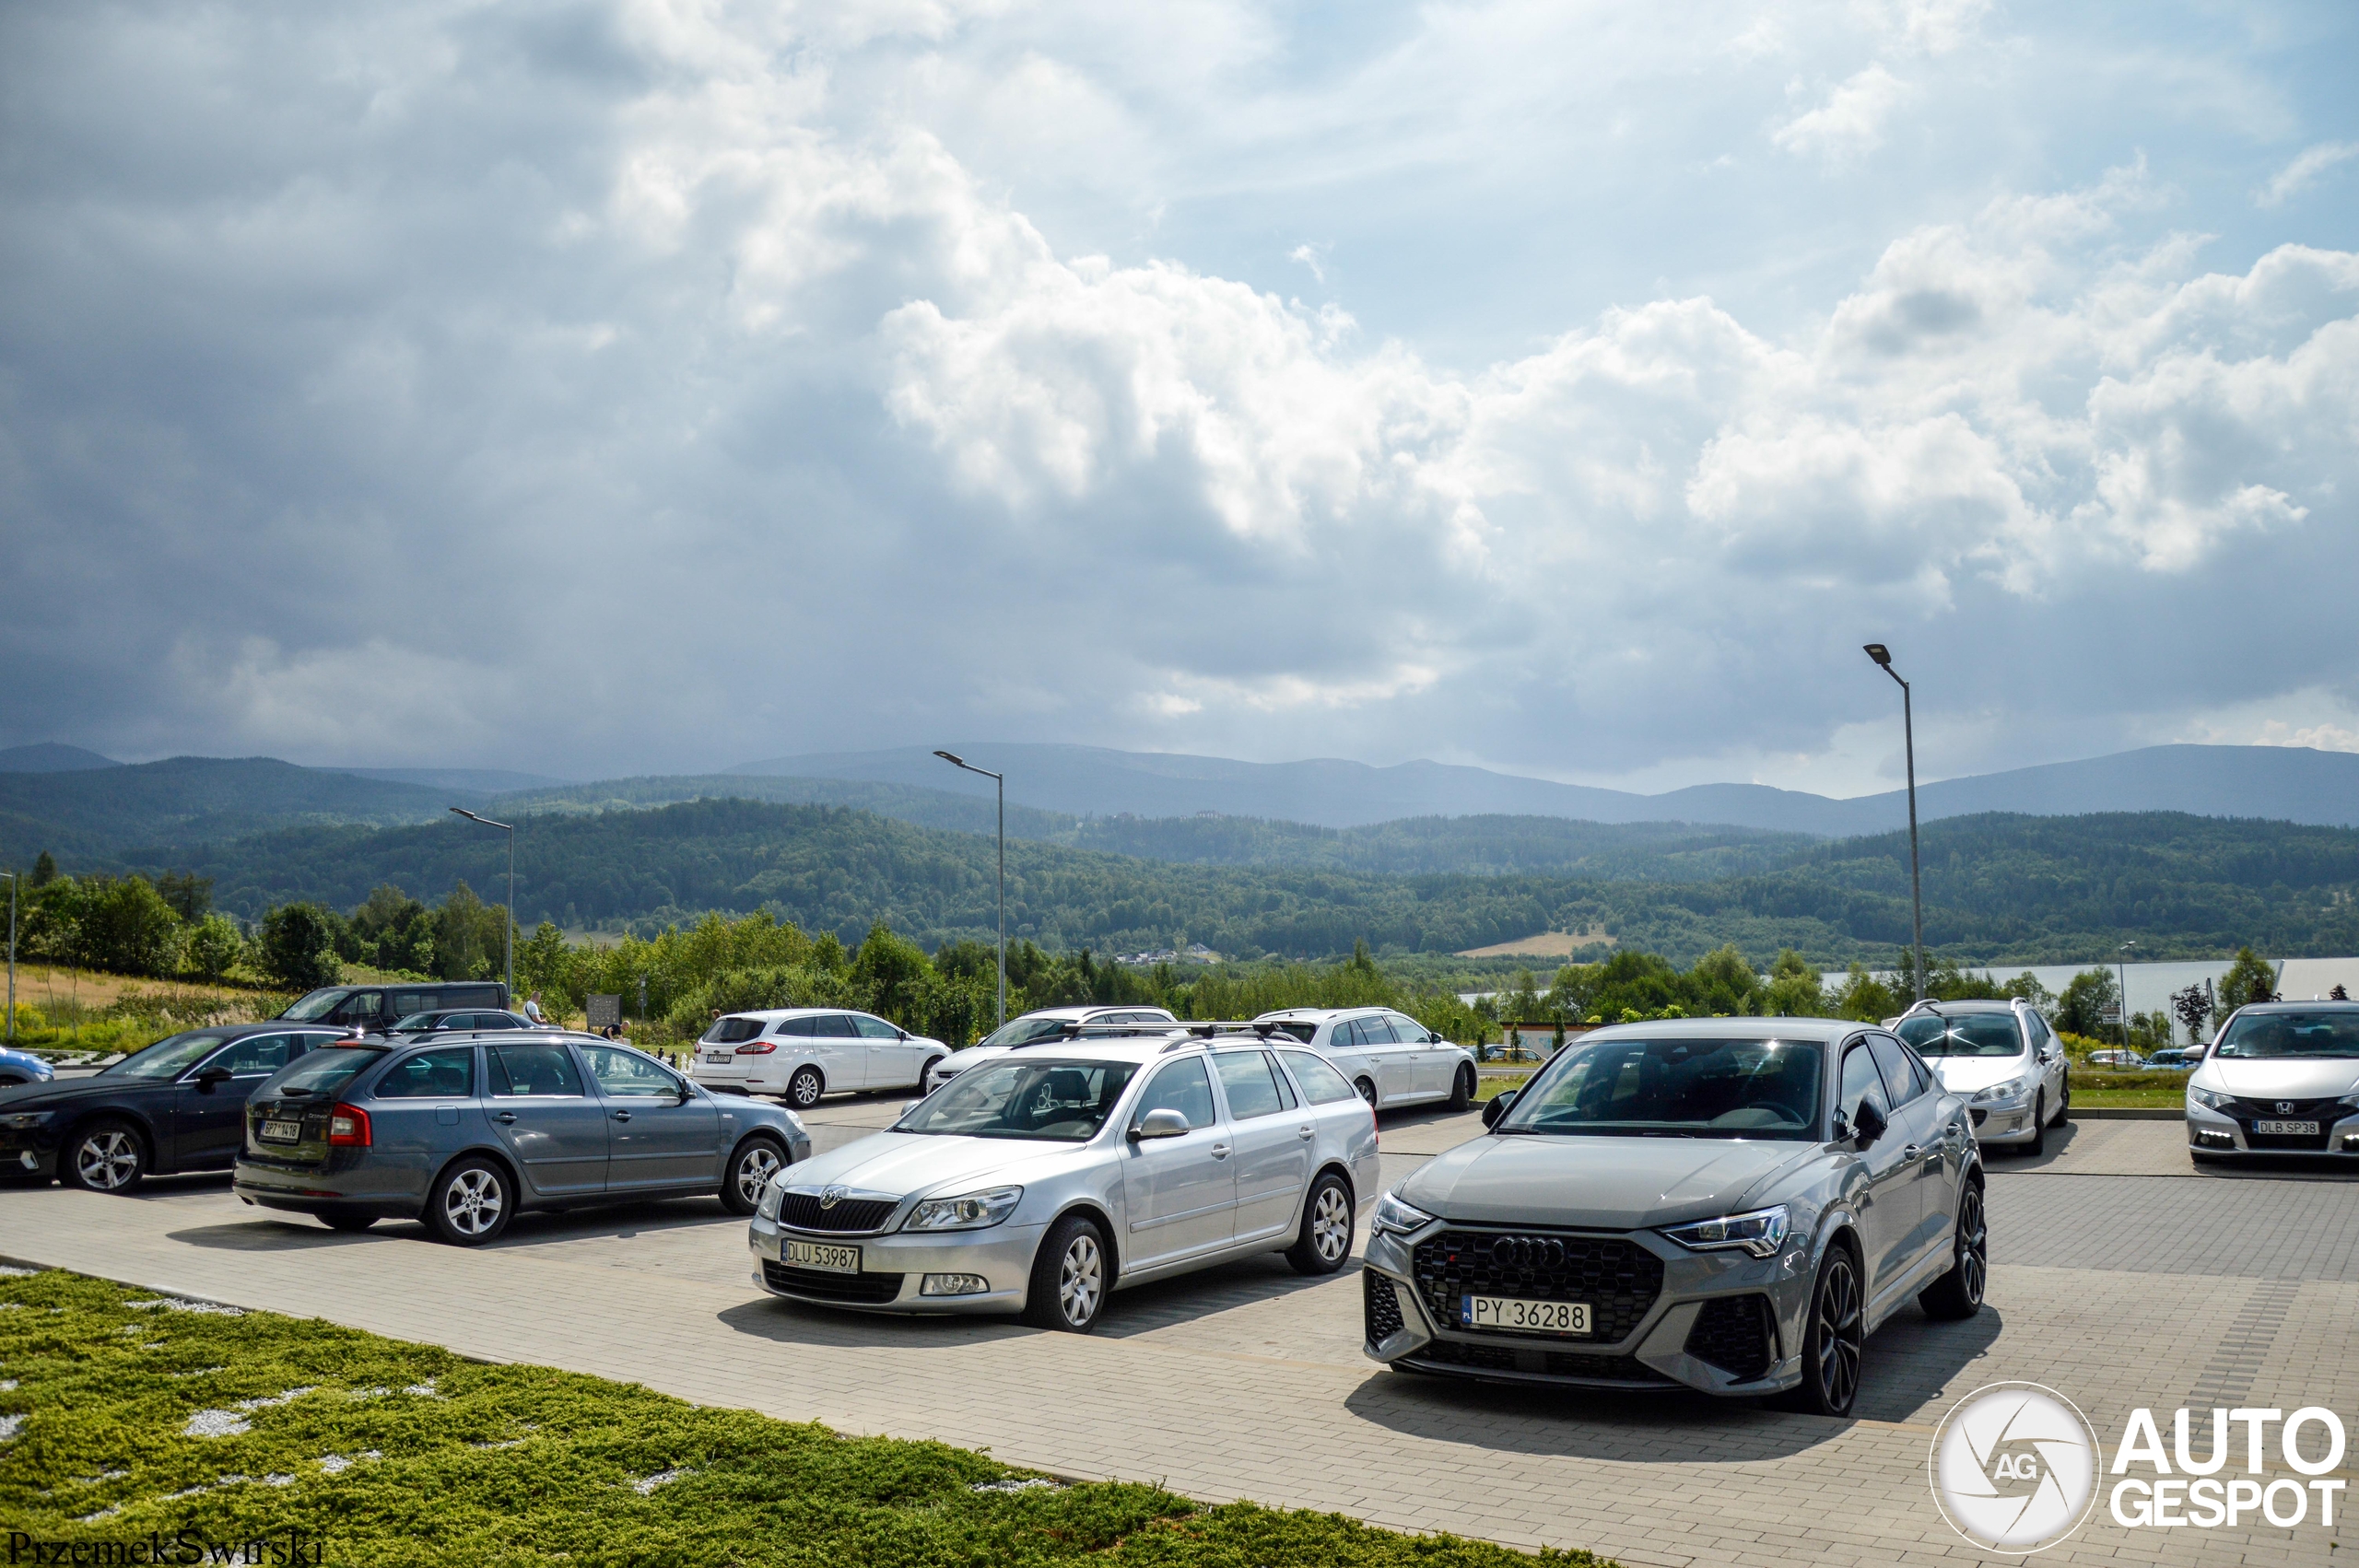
pixel 2284 1107
pixel 831 1195
pixel 1526 1252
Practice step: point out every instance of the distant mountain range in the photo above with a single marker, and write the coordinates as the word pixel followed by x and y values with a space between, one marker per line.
pixel 2278 783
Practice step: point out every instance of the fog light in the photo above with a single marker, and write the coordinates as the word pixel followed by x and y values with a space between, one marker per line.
pixel 2220 1138
pixel 2350 1142
pixel 953 1285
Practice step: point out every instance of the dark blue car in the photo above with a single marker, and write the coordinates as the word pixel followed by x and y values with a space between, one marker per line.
pixel 463 1134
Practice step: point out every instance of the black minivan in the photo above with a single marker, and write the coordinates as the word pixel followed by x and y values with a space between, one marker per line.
pixel 375 1008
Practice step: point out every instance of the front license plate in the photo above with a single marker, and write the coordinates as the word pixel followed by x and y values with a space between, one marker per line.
pixel 1523 1317
pixel 282 1133
pixel 819 1255
pixel 2288 1128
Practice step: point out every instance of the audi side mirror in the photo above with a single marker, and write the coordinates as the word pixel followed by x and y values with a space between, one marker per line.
pixel 1498 1106
pixel 1160 1124
pixel 1869 1124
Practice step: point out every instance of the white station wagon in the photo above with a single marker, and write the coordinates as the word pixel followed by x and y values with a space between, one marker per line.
pixel 804 1052
pixel 1389 1056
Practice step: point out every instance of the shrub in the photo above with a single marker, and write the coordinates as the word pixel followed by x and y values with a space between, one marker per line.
pixel 213 946
pixel 297 947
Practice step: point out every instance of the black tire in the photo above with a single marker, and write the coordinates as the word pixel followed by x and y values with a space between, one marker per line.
pixel 2064 1111
pixel 1834 1340
pixel 750 1168
pixel 106 1156
pixel 1957 1294
pixel 347 1220
pixel 927 1071
pixel 1368 1091
pixel 471 1202
pixel 1462 1088
pixel 1324 1241
pixel 1071 1274
pixel 2039 1144
pixel 803 1090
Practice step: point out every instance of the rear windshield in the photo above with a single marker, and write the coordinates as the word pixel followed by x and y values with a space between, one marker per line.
pixel 1299 1029
pixel 325 1070
pixel 1023 1031
pixel 730 1031
pixel 1968 1034
pixel 319 1004
pixel 1059 1102
pixel 2332 1034
pixel 1655 1088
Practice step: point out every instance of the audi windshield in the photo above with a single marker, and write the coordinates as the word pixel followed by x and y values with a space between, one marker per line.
pixel 1060 1102
pixel 1656 1088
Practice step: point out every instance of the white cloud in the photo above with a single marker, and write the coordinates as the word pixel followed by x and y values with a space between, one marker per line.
pixel 1851 122
pixel 2304 171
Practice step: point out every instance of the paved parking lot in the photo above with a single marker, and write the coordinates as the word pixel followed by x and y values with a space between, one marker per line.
pixel 2121 1275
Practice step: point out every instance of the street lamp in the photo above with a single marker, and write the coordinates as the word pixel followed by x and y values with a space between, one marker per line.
pixel 956 761
pixel 1883 656
pixel 2121 967
pixel 509 939
pixel 12 956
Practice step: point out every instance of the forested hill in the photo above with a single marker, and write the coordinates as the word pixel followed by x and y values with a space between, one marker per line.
pixel 1999 888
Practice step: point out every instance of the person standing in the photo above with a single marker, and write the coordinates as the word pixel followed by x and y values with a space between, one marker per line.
pixel 533 1009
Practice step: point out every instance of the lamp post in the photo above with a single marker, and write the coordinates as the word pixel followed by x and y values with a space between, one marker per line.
pixel 12 956
pixel 509 940
pixel 956 761
pixel 2121 967
pixel 1883 656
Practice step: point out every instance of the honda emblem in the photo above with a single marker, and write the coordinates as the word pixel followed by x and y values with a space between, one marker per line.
pixel 2284 1107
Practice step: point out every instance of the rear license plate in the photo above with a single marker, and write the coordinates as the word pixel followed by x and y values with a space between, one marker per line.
pixel 282 1133
pixel 2287 1129
pixel 1523 1317
pixel 819 1255
pixel 719 1056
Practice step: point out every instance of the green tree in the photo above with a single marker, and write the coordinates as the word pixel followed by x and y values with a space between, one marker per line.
pixel 892 972
pixel 297 947
pixel 2249 979
pixel 2193 1007
pixel 212 947
pixel 1795 990
pixel 1723 982
pixel 189 895
pixel 545 963
pixel 2081 1009
pixel 1863 996
pixel 469 936
pixel 44 869
pixel 127 928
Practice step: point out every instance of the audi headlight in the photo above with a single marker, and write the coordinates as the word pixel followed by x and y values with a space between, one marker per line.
pixel 2217 1101
pixel 1395 1217
pixel 2012 1089
pixel 26 1119
pixel 773 1199
pixel 971 1212
pixel 1760 1232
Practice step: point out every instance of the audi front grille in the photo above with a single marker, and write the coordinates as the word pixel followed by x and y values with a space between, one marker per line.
pixel 1615 1276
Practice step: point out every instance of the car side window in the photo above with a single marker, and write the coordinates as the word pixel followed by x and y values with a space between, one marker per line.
pixel 255 1056
pixel 493 1021
pixel 1376 1031
pixel 873 1028
pixel 533 1069
pixel 1894 1062
pixel 800 1028
pixel 1861 1082
pixel 1319 1080
pixel 1408 1030
pixel 1246 1079
pixel 836 1026
pixel 448 1072
pixel 1182 1087
pixel 1286 1099
pixel 628 1075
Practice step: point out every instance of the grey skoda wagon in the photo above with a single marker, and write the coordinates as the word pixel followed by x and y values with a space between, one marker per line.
pixel 1731 1205
pixel 465 1133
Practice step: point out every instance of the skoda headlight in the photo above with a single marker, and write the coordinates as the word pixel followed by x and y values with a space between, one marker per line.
pixel 1760 1232
pixel 2212 1098
pixel 2012 1089
pixel 1395 1217
pixel 971 1212
pixel 773 1196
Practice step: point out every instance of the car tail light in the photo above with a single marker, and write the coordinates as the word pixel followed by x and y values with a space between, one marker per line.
pixel 349 1127
pixel 760 1047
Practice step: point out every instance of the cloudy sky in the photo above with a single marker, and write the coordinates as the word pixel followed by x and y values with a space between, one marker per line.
pixel 649 386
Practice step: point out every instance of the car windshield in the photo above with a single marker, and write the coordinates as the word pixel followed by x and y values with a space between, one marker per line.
pixel 1967 1034
pixel 1061 1102
pixel 1023 1032
pixel 1657 1088
pixel 168 1058
pixel 324 1070
pixel 319 1004
pixel 2292 1034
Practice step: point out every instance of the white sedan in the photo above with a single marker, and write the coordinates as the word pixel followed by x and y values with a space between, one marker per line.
pixel 804 1052
pixel 1390 1058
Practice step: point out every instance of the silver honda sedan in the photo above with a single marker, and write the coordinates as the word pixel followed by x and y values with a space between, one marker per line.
pixel 1039 1181
pixel 1732 1205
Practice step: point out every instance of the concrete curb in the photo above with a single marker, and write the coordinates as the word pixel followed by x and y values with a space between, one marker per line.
pixel 2127 1113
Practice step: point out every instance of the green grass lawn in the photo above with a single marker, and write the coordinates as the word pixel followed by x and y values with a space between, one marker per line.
pixel 2128 1099
pixel 1488 1088
pixel 122 1413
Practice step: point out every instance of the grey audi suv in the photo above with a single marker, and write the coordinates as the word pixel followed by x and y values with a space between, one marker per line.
pixel 1731 1205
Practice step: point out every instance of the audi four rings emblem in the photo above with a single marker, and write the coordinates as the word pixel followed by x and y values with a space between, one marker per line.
pixel 1527 1252
pixel 830 1195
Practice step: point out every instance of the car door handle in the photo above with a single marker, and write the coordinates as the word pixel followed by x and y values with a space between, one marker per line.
pixel 1910 1152
pixel 1307 1131
pixel 505 1116
pixel 622 1116
pixel 1220 1151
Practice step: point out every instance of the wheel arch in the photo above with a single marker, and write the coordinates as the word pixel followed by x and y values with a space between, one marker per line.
pixel 1095 1213
pixel 491 1153
pixel 157 1165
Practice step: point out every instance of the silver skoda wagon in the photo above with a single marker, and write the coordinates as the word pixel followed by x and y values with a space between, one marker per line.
pixel 1038 1181
pixel 1731 1205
